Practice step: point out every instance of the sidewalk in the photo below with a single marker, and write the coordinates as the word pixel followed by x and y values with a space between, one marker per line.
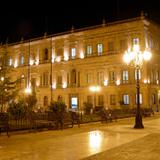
pixel 116 140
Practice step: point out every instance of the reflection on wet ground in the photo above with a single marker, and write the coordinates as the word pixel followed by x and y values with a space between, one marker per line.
pixel 69 144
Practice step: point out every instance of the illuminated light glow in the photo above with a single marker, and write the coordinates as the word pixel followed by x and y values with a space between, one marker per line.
pixel 126 58
pixel 157 81
pixel 58 59
pixel 132 55
pixel 37 61
pixel 64 85
pixel 28 90
pixel 136 48
pixel 136 57
pixel 105 82
pixel 94 88
pixel 82 55
pixel 66 58
pixel 53 58
pixel 148 81
pixel 95 139
pixel 31 62
pixel 5 90
pixel 15 64
pixel 54 86
pixel 145 81
pixel 2 78
pixel 22 76
pixel 37 84
pixel 147 55
pixel 118 82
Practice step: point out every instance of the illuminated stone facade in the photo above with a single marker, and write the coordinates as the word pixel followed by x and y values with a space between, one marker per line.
pixel 86 57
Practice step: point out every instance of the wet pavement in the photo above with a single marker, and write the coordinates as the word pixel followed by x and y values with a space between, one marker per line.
pixel 74 143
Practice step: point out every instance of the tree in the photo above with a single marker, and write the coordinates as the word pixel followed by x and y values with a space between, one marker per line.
pixel 8 87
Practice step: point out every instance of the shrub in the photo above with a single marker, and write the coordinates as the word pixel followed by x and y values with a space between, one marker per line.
pixel 58 106
pixel 87 107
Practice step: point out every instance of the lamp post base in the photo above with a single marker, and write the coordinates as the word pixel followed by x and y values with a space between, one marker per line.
pixel 138 121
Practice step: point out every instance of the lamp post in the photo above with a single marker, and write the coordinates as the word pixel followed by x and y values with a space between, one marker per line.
pixel 94 89
pixel 134 57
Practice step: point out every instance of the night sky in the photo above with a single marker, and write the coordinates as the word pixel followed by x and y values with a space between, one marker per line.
pixel 77 13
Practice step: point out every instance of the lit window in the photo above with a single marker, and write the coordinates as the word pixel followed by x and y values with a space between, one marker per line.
pixel 100 48
pixel 10 61
pixel 140 98
pixel 21 59
pixel 125 76
pixel 73 53
pixel 89 50
pixel 126 99
pixel 139 74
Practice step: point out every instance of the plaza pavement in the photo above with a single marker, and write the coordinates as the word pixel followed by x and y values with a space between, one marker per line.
pixel 94 141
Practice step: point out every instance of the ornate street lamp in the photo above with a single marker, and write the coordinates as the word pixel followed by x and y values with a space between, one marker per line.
pixel 94 89
pixel 134 57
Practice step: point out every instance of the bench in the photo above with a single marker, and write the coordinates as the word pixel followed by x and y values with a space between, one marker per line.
pixel 107 116
pixel 68 119
pixel 4 123
pixel 147 112
pixel 43 120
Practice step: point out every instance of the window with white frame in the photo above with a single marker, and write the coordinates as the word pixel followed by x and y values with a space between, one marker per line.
pixel 89 50
pixel 10 61
pixel 139 74
pixel 21 59
pixel 73 53
pixel 126 99
pixel 100 78
pixel 140 98
pixel 100 48
pixel 125 76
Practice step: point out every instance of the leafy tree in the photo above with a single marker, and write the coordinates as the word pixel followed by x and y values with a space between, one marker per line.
pixel 18 110
pixel 8 87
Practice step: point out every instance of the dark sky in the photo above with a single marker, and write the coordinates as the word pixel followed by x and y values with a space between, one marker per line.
pixel 78 13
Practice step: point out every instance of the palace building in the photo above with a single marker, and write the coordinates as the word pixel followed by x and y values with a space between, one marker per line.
pixel 66 65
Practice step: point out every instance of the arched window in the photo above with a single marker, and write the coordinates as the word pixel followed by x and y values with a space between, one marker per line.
pixel 46 54
pixel 45 101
